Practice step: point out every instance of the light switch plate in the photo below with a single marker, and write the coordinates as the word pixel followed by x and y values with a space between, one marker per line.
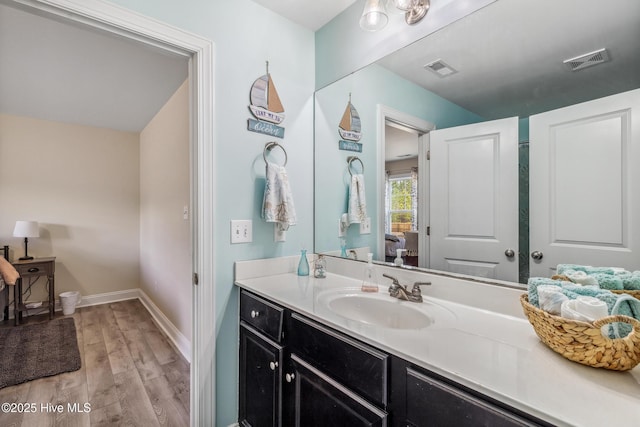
pixel 365 226
pixel 241 231
pixel 342 230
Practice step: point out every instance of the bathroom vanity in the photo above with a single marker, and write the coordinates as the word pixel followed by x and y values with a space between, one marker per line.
pixel 318 352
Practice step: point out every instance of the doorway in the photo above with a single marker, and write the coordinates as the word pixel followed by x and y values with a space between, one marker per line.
pixel 415 132
pixel 199 51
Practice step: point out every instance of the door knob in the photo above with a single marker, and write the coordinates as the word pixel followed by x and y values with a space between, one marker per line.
pixel 254 314
pixel 289 377
pixel 537 255
pixel 273 365
pixel 509 253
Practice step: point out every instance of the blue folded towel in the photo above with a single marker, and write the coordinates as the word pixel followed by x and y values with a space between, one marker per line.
pixel 562 268
pixel 608 281
pixel 631 281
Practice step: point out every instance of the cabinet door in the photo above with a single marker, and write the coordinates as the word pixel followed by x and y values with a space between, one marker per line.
pixel 319 401
pixel 431 402
pixel 260 379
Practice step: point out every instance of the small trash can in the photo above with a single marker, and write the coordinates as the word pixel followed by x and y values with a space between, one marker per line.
pixel 68 300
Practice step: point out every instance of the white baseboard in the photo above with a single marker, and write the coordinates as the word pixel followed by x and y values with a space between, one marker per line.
pixel 176 337
pixel 105 298
pixel 182 343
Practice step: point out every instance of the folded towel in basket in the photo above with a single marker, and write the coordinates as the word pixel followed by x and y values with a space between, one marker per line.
pixel 277 205
pixel 616 304
pixel 357 200
pixel 631 281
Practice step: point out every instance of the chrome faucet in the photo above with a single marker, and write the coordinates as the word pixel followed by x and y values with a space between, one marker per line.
pixel 396 290
pixel 354 253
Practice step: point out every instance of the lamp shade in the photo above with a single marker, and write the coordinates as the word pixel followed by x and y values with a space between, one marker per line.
pixel 374 16
pixel 26 229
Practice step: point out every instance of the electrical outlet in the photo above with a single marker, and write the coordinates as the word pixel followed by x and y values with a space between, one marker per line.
pixel 241 231
pixel 279 235
pixel 365 226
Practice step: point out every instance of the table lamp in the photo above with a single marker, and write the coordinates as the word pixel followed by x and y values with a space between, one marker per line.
pixel 26 229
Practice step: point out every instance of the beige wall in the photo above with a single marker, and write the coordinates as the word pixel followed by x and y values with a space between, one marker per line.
pixel 82 185
pixel 165 248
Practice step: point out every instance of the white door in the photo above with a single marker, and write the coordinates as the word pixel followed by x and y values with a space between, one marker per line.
pixel 474 199
pixel 585 185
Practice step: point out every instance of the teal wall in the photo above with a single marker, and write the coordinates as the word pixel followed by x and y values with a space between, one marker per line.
pixel 369 87
pixel 245 35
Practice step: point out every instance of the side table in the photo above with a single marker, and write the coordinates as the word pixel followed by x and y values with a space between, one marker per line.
pixel 31 271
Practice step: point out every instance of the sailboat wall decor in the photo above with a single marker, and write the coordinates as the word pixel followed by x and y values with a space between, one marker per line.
pixel 266 107
pixel 265 102
pixel 349 129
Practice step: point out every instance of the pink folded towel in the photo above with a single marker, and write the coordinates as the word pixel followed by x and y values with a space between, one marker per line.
pixel 8 272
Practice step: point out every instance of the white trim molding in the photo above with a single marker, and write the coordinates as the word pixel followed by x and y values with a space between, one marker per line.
pixel 180 342
pixel 423 127
pixel 115 19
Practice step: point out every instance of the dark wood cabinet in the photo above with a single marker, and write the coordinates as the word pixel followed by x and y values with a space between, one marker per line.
pixel 320 401
pixel 260 373
pixel 295 371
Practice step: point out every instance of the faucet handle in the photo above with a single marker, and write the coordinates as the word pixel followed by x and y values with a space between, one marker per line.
pixel 416 287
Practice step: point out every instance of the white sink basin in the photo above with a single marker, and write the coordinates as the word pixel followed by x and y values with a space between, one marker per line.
pixel 381 310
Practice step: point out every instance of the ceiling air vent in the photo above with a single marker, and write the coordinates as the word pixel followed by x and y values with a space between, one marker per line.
pixel 587 60
pixel 441 68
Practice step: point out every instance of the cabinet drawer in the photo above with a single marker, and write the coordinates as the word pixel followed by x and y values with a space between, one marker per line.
pixel 359 367
pixel 262 315
pixel 433 402
pixel 35 269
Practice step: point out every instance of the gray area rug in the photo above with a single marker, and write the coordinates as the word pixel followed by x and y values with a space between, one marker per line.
pixel 40 350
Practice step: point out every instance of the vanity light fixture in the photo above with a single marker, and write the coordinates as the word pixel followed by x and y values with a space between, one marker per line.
pixel 418 9
pixel 374 16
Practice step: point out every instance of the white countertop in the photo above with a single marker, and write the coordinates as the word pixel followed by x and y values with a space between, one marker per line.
pixel 494 353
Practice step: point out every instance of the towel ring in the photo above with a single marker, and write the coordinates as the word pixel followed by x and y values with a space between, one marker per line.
pixel 270 146
pixel 350 160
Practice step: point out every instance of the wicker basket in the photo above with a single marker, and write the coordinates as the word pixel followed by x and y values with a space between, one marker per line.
pixel 629 292
pixel 582 342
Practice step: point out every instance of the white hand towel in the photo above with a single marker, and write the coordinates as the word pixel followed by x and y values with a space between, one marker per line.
pixel 277 205
pixel 357 200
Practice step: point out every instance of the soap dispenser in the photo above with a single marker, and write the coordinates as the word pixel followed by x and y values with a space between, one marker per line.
pixel 398 260
pixel 320 268
pixel 370 280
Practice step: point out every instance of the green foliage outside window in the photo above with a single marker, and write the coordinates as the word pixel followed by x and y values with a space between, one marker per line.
pixel 400 209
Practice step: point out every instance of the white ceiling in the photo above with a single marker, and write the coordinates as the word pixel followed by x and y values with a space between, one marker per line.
pixel 310 14
pixel 519 46
pixel 61 72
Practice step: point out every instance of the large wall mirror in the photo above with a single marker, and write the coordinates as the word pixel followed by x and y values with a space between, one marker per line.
pixel 500 146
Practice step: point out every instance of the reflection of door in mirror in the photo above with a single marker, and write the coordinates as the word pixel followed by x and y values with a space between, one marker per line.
pixel 474 199
pixel 584 185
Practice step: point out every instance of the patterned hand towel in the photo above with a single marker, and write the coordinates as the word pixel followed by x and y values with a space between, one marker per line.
pixel 357 200
pixel 277 205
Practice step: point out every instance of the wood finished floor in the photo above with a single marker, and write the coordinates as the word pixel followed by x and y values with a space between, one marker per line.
pixel 131 375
